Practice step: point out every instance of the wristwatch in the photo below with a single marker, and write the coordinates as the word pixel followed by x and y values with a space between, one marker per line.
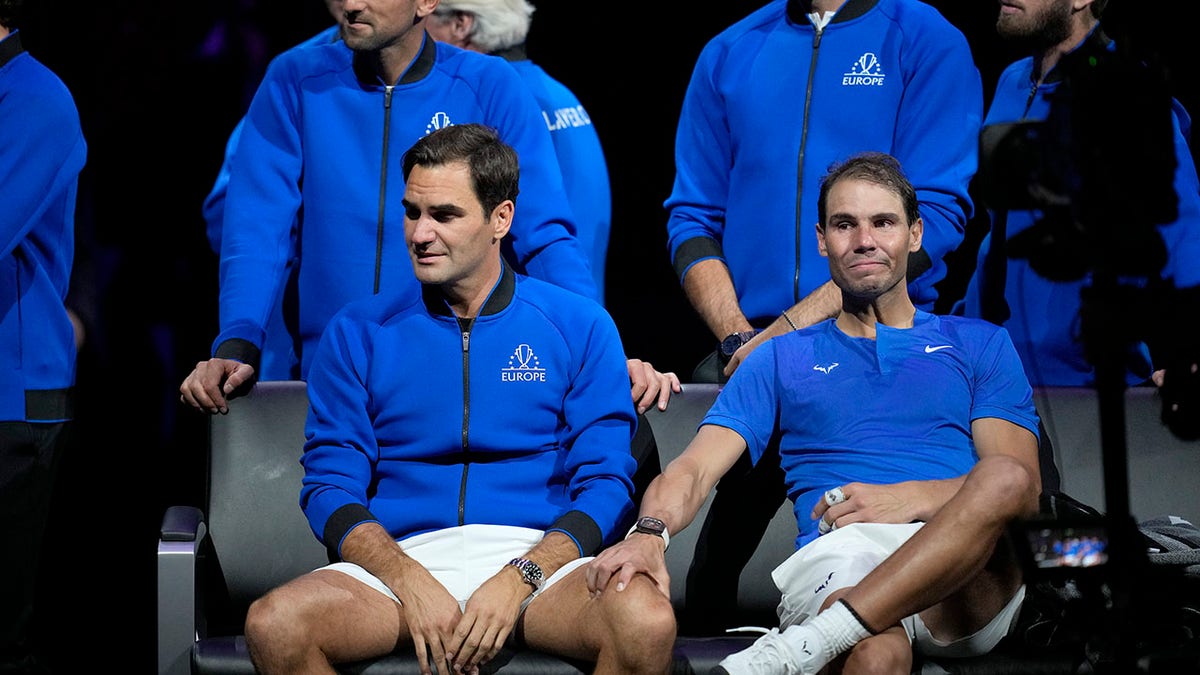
pixel 531 573
pixel 732 343
pixel 651 525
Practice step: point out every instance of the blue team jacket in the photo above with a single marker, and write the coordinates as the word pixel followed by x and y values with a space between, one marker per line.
pixel 42 151
pixel 419 421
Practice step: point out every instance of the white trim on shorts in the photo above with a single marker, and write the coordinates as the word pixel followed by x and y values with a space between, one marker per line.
pixel 462 558
pixel 842 558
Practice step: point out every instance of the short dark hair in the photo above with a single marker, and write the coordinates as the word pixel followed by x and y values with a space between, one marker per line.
pixel 874 167
pixel 495 171
pixel 10 13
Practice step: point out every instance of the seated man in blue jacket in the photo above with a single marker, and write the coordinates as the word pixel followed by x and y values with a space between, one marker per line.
pixel 467 449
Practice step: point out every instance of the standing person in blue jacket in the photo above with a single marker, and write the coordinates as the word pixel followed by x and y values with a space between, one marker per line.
pixel 500 27
pixel 909 442
pixel 310 186
pixel 1043 314
pixel 773 101
pixel 42 152
pixel 461 523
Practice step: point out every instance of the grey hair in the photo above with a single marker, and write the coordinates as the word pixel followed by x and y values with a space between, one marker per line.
pixel 499 24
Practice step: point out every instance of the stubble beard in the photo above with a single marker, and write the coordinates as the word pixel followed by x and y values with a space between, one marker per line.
pixel 1040 31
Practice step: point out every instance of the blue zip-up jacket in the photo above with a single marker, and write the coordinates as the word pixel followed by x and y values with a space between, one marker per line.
pixel 324 138
pixel 580 157
pixel 1044 319
pixel 773 102
pixel 421 421
pixel 42 152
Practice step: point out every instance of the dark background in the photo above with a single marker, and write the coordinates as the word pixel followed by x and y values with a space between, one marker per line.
pixel 160 84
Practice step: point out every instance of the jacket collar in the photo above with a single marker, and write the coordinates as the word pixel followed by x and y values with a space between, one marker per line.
pixel 501 296
pixel 10 48
pixel 798 10
pixel 1096 42
pixel 513 53
pixel 417 70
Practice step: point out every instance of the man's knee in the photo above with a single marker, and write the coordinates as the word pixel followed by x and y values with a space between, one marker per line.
pixel 269 622
pixel 640 619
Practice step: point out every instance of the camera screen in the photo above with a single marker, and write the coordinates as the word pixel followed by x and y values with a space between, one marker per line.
pixel 1054 547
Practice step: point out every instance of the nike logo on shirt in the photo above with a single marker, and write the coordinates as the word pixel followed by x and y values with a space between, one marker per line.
pixel 929 349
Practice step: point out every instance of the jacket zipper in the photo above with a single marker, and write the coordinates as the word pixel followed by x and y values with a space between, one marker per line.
pixel 387 125
pixel 812 70
pixel 464 325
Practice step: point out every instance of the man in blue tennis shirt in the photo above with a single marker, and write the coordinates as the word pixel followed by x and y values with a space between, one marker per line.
pixel 908 441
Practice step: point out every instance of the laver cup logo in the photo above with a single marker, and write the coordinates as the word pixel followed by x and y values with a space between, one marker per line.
pixel 523 366
pixel 866 72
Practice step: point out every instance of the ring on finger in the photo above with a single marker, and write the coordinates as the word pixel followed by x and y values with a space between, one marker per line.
pixel 834 496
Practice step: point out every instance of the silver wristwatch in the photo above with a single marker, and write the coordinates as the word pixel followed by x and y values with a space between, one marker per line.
pixel 531 573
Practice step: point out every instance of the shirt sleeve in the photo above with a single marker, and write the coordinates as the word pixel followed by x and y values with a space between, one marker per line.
pixel 749 402
pixel 1001 388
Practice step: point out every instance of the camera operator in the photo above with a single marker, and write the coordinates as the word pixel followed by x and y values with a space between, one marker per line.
pixel 1121 156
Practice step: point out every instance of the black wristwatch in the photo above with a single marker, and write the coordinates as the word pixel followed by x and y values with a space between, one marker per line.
pixel 531 572
pixel 652 526
pixel 732 343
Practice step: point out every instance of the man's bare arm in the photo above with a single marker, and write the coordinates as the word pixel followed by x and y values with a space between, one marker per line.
pixel 709 288
pixel 674 497
pixel 823 303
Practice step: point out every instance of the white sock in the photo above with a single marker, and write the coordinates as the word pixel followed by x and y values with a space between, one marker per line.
pixel 820 639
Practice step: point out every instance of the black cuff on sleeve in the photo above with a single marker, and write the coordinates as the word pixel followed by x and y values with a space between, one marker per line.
pixel 580 526
pixel 919 263
pixel 342 521
pixel 695 249
pixel 239 350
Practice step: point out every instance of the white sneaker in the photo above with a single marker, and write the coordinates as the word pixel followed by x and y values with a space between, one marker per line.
pixel 769 655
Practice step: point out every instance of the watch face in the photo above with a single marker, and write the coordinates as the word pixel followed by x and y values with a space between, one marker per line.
pixel 731 344
pixel 734 342
pixel 531 572
pixel 651 525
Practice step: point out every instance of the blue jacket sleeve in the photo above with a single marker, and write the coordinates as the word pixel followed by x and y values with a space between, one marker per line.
pixel 937 141
pixel 261 208
pixel 1182 237
pixel 702 159
pixel 213 209
pixel 340 451
pixel 41 158
pixel 599 416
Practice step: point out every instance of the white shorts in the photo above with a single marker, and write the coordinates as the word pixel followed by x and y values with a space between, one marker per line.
pixel 462 558
pixel 842 558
